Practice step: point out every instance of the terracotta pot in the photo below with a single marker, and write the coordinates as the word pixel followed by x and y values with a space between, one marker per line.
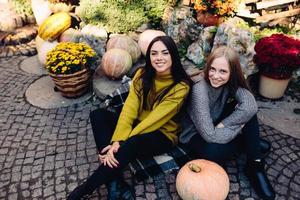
pixel 208 19
pixel 272 88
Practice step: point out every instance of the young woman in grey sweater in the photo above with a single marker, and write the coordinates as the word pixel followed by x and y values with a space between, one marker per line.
pixel 221 117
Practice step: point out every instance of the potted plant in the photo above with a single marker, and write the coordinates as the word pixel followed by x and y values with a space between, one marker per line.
pixel 211 12
pixel 277 56
pixel 68 64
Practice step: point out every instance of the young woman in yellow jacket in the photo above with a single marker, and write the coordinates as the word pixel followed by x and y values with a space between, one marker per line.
pixel 147 125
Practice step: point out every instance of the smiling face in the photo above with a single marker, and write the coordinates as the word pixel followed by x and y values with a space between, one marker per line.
pixel 160 58
pixel 219 72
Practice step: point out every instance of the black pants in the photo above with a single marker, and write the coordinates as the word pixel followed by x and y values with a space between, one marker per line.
pixel 139 146
pixel 248 141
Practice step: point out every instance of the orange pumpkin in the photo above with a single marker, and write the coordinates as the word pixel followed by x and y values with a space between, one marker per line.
pixel 202 179
pixel 126 43
pixel 146 37
pixel 115 63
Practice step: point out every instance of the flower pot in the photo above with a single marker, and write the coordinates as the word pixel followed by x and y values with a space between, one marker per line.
pixel 272 88
pixel 72 85
pixel 208 19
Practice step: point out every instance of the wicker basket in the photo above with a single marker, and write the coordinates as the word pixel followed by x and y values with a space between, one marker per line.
pixel 72 85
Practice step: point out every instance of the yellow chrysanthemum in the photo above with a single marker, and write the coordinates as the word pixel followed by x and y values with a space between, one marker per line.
pixel 67 55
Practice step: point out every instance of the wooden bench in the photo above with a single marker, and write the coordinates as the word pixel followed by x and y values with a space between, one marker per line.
pixel 272 12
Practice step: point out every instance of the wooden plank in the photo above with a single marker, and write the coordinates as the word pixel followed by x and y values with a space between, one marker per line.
pixel 267 4
pixel 247 14
pixel 269 17
pixel 250 1
pixel 281 21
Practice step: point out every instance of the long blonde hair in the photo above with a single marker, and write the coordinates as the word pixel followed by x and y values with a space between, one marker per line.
pixel 236 77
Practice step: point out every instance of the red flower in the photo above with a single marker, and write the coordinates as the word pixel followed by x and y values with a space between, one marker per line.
pixel 277 56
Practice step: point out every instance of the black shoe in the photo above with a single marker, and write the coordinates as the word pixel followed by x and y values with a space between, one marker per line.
pixel 257 176
pixel 265 147
pixel 113 191
pixel 79 192
pixel 119 190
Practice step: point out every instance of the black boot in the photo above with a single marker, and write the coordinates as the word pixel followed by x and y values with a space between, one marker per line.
pixel 127 192
pixel 257 176
pixel 265 147
pixel 119 190
pixel 80 192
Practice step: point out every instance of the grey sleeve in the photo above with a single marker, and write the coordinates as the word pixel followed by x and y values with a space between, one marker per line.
pixel 200 115
pixel 246 108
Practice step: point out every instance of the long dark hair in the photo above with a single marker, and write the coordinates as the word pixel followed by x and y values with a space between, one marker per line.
pixel 148 74
pixel 236 77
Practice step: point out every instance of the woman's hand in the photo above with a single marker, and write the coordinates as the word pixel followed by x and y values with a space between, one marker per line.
pixel 109 159
pixel 102 154
pixel 220 125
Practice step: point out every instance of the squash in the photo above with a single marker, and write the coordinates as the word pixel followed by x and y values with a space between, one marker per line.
pixel 70 35
pixel 146 37
pixel 125 42
pixel 54 25
pixel 115 63
pixel 38 42
pixel 43 48
pixel 41 10
pixel 202 179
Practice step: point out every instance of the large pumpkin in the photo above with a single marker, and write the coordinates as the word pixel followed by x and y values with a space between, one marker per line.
pixel 54 25
pixel 202 179
pixel 115 63
pixel 146 37
pixel 126 43
pixel 70 35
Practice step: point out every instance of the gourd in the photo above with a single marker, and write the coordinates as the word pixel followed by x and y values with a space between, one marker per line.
pixel 70 35
pixel 126 43
pixel 202 179
pixel 146 37
pixel 43 48
pixel 115 63
pixel 41 10
pixel 38 42
pixel 54 25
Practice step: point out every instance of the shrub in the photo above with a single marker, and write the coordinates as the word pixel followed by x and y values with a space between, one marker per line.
pixel 22 7
pixel 260 33
pixel 121 16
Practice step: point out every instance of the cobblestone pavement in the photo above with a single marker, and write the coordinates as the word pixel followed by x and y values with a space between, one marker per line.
pixel 45 153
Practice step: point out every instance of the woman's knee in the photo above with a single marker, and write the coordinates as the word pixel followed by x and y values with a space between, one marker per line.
pixel 98 114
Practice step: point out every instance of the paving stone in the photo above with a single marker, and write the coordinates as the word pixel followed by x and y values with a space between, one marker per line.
pixel 12 196
pixel 47 152
pixel 151 196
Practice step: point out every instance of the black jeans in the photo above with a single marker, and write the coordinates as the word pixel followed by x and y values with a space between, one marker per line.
pixel 139 146
pixel 248 141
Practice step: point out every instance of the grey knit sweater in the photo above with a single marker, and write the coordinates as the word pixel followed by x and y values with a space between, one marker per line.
pixel 205 106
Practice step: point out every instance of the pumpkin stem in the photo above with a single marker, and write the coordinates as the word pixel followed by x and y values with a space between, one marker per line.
pixel 195 168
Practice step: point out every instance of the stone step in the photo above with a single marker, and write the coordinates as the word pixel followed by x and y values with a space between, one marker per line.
pixel 27 49
pixel 18 36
